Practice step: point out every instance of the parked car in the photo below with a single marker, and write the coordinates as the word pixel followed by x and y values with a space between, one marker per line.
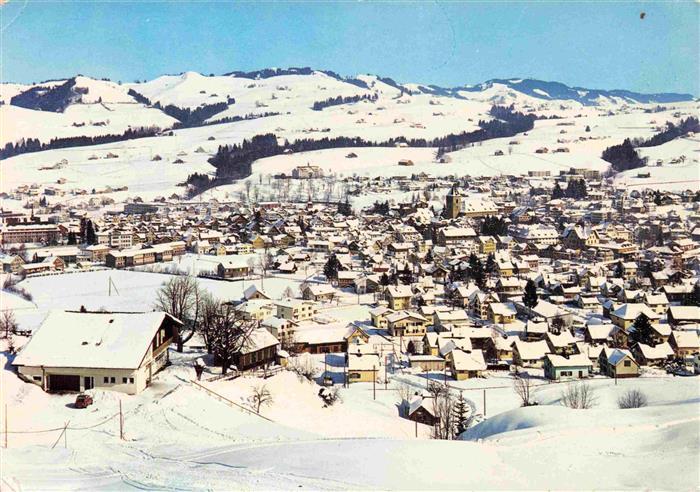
pixel 83 401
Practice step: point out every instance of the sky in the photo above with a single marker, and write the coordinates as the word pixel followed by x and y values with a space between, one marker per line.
pixel 592 44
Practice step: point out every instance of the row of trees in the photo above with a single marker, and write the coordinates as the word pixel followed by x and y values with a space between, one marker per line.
pixel 24 146
pixel 337 101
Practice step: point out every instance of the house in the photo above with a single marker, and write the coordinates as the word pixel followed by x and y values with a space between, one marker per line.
pixel 502 313
pixel 625 315
pixel 233 268
pixel 379 316
pixel 407 324
pixel 78 351
pixel 684 343
pixel 326 338
pixel 398 296
pixel 318 292
pixel 618 363
pixel 575 366
pixel 562 344
pixel 683 315
pixel 260 350
pixel 254 292
pixel 657 302
pixel 423 362
pixel 422 410
pixel 296 309
pixel 598 333
pixel 501 348
pixel 11 263
pixel 529 354
pixel 652 356
pixel 466 364
pixel 362 367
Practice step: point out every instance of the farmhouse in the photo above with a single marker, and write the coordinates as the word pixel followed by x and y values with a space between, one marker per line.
pixel 75 351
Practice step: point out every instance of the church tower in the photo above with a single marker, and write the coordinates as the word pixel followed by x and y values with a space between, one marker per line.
pixel 453 203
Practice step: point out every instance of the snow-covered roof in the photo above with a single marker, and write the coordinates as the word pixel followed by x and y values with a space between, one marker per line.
pixel 532 350
pixel 660 351
pixel 468 360
pixel 574 360
pixel 259 339
pixel 95 340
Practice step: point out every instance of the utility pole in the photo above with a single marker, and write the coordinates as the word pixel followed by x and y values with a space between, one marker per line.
pixel 386 376
pixel 6 418
pixel 416 427
pixel 484 403
pixel 65 435
pixel 374 382
pixel 121 422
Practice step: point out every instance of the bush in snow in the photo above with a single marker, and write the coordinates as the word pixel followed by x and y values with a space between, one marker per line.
pixel 303 367
pixel 330 395
pixel 523 387
pixel 632 399
pixel 579 396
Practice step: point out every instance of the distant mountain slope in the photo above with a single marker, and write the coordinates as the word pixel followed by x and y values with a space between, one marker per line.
pixel 76 90
pixel 590 97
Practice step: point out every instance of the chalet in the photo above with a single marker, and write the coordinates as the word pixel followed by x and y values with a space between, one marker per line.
pixel 648 355
pixel 625 315
pixel 76 351
pixel 398 297
pixel 379 316
pixel 683 315
pixel 618 363
pixel 529 354
pixel 426 362
pixel 575 366
pixel 502 313
pixel 319 292
pixel 233 268
pixel 259 350
pixel 362 367
pixel 407 324
pixel 685 343
pixel 466 364
pixel 562 344
pixel 296 309
pixel 11 263
pixel 422 410
pixel 598 333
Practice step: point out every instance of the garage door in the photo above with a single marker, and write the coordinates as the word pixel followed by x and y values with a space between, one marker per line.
pixel 62 382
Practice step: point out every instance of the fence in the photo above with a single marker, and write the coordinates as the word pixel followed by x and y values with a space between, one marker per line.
pixel 229 402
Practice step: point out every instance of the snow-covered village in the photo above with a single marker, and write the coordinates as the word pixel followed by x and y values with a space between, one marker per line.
pixel 284 278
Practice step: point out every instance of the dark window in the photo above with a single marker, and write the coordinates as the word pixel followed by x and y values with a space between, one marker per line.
pixel 131 380
pixel 37 378
pixel 628 363
pixel 112 380
pixel 124 380
pixel 105 380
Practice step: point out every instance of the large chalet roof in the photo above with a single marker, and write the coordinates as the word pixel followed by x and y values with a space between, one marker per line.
pixel 95 340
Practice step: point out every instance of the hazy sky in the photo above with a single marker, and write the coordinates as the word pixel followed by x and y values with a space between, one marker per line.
pixel 593 44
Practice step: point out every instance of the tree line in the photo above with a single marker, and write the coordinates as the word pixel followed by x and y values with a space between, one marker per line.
pixel 336 101
pixel 28 145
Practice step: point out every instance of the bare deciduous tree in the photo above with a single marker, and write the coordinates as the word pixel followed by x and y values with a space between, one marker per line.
pixel 209 310
pixel 180 297
pixel 303 366
pixel 8 324
pixel 230 334
pixel 579 396
pixel 522 387
pixel 288 292
pixel 261 396
pixel 445 421
pixel 633 398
